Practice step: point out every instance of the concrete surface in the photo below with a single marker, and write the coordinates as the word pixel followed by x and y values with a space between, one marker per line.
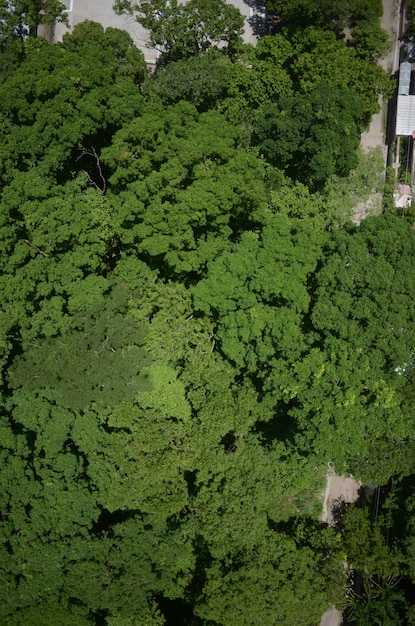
pixel 338 489
pixel 101 11
pixel 333 617
pixel 376 134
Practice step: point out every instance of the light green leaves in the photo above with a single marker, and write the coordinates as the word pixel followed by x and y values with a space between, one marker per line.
pixel 167 395
pixel 256 291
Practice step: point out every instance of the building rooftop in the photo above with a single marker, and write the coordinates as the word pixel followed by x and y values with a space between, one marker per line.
pixel 405 111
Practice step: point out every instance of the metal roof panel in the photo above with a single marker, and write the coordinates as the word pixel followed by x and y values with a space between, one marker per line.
pixel 405 115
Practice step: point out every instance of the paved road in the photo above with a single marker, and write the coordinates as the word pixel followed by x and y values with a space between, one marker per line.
pixel 338 488
pixel 375 136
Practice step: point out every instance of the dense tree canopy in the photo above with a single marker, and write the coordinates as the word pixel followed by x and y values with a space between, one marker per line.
pixel 181 194
pixel 326 14
pixel 312 136
pixel 192 330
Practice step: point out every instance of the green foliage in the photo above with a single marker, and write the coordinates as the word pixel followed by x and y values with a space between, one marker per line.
pixel 181 185
pixel 364 544
pixel 379 603
pixel 383 457
pixel 54 242
pixel 364 182
pixel 258 78
pixel 320 57
pixel 22 18
pixel 273 582
pixel 256 292
pixel 370 10
pixel 58 108
pixel 188 335
pixel 322 13
pixel 66 98
pixel 19 24
pixel 325 14
pixel 201 80
pixel 297 202
pixel 371 332
pixel 370 40
pixel 81 362
pixel 181 31
pixel 374 547
pixel 312 136
pixel 144 462
pixel 167 396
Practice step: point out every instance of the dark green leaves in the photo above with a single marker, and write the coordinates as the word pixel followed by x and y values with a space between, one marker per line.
pixel 180 186
pixel 66 96
pixel 99 359
pixel 312 136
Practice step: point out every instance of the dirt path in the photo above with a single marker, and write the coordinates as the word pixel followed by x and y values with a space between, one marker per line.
pixel 338 489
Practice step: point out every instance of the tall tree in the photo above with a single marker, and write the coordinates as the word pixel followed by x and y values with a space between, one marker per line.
pixel 312 136
pixel 324 14
pixel 201 80
pixel 181 185
pixel 321 57
pixel 180 31
pixel 21 18
pixel 67 97
pixel 59 107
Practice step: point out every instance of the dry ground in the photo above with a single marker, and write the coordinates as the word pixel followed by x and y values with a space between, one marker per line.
pixel 338 489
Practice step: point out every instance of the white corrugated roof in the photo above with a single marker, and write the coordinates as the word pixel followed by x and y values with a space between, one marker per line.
pixel 405 115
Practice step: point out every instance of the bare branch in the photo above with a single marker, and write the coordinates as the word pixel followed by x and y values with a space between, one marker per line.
pixel 93 153
pixel 32 245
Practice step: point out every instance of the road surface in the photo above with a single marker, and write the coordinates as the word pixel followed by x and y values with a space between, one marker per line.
pixel 338 489
pixel 376 134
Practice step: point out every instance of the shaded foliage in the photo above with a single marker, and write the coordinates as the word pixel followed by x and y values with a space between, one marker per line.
pixel 314 136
